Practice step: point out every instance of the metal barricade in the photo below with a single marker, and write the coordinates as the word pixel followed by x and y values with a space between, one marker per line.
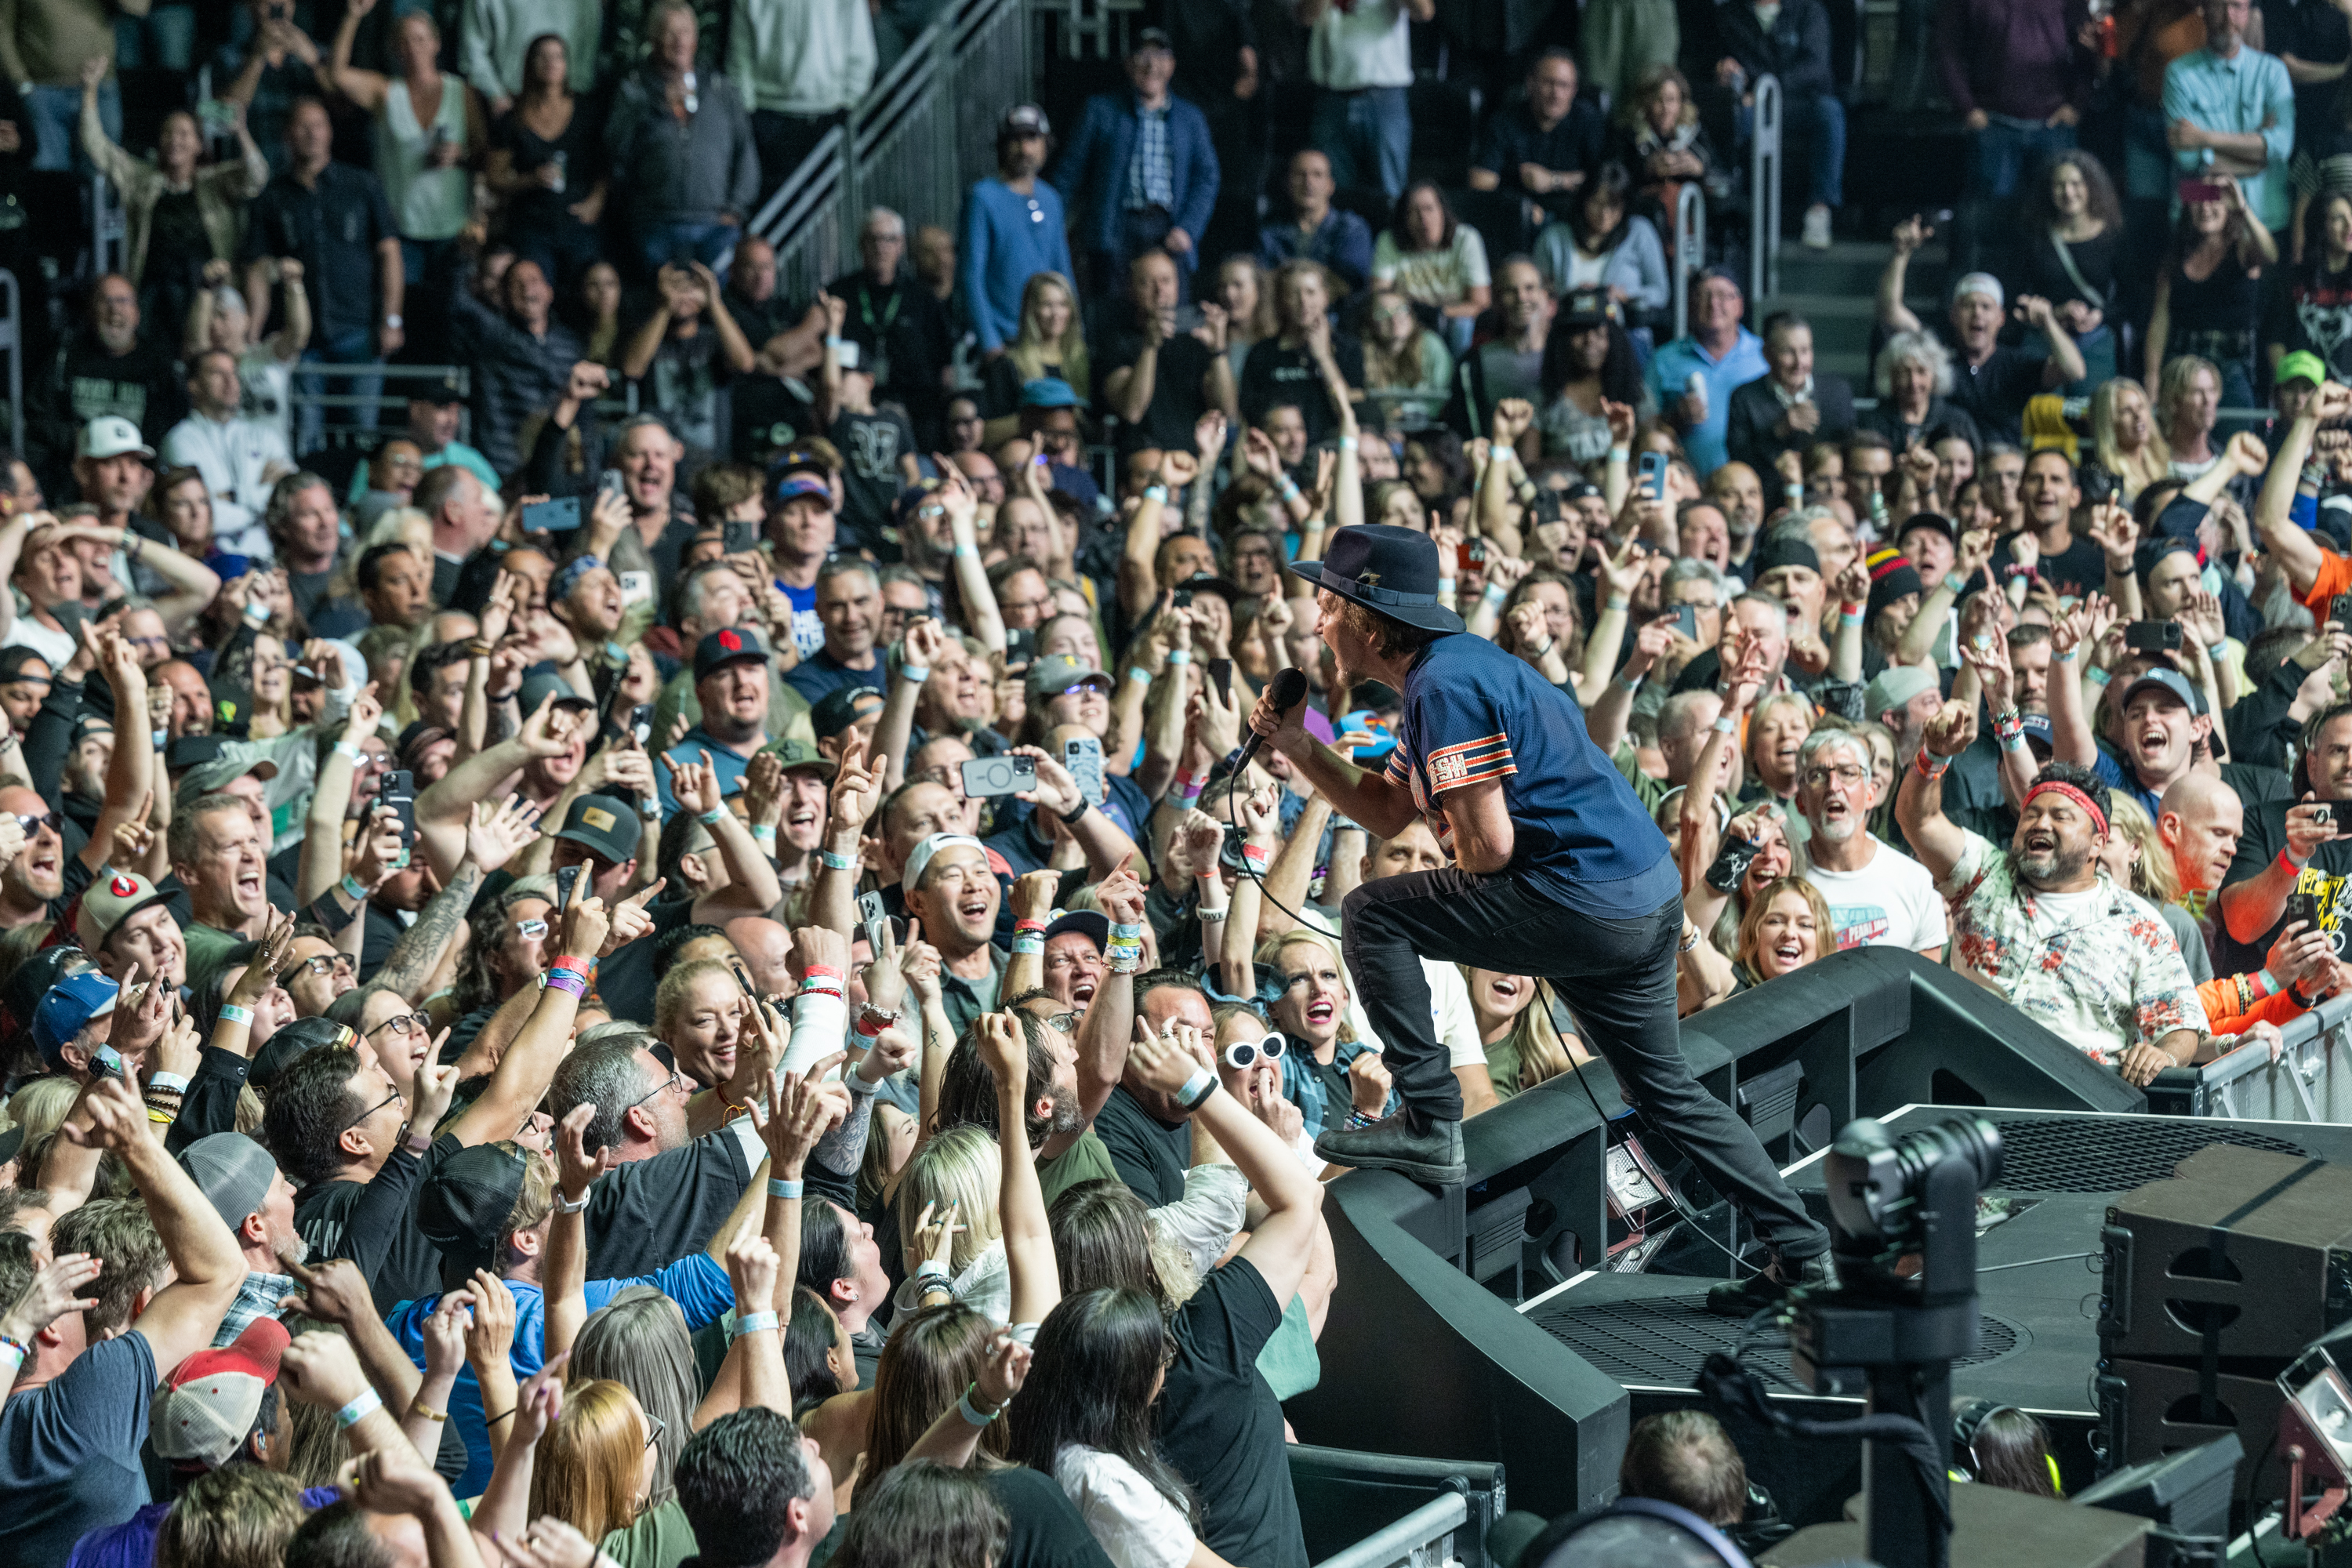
pixel 919 139
pixel 1764 194
pixel 1423 1538
pixel 109 231
pixel 12 338
pixel 1690 250
pixel 2311 1080
pixel 389 394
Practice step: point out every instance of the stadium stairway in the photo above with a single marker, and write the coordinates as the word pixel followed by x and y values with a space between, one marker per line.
pixel 1837 291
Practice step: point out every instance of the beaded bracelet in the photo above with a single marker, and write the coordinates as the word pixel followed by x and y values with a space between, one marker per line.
pixel 1028 922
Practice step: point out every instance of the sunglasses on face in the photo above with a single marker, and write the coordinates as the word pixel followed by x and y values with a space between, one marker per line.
pixel 1246 1054
pixel 531 931
pixel 32 823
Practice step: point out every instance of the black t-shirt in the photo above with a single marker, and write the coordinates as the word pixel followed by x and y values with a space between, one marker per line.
pixel 1513 138
pixel 141 386
pixel 332 229
pixel 1151 1156
pixel 871 473
pixel 1047 1530
pixel 2328 877
pixel 901 330
pixel 689 381
pixel 770 413
pixel 177 243
pixel 374 1224
pixel 1221 1425
pixel 647 1214
pixel 1994 394
pixel 625 980
pixel 1184 361
pixel 535 209
pixel 1273 375
pixel 2081 568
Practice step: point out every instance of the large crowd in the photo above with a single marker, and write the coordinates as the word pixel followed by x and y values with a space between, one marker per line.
pixel 637 785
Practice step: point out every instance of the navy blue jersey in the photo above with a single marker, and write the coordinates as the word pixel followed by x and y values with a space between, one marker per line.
pixel 1473 712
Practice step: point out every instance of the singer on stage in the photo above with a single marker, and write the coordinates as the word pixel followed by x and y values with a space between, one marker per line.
pixel 1558 872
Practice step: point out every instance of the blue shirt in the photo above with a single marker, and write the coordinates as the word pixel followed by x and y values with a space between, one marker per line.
pixel 1341 243
pixel 729 764
pixel 1473 712
pixel 2247 92
pixel 698 1286
pixel 808 630
pixel 1006 238
pixel 819 675
pixel 1669 378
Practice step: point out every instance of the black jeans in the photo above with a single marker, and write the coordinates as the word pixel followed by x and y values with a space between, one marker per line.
pixel 1617 977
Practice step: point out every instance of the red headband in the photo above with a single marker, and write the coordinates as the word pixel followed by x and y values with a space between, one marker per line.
pixel 2071 793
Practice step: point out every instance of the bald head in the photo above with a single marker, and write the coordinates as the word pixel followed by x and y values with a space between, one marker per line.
pixel 765 946
pixel 2200 820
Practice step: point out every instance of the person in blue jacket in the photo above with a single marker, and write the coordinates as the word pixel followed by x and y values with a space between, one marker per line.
pixel 1140 172
pixel 1012 227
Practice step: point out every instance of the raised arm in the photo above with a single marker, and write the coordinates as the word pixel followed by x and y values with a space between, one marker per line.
pixel 2296 548
pixel 564 1268
pixel 367 90
pixel 856 794
pixel 445 809
pixel 980 611
pixel 528 1065
pixel 1936 838
pixel 207 1269
pixel 1892 314
pixel 752 887
pixel 1021 1203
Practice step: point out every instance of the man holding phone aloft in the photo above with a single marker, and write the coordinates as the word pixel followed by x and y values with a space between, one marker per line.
pixel 1558 872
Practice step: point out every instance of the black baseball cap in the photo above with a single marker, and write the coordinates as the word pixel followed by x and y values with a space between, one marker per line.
pixel 727 646
pixel 839 708
pixel 606 826
pixel 462 1208
pixel 299 1038
pixel 15 657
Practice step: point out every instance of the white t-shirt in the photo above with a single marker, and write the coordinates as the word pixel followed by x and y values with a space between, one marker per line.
pixel 1891 902
pixel 240 459
pixel 1367 46
pixel 1438 277
pixel 58 647
pixel 1130 1520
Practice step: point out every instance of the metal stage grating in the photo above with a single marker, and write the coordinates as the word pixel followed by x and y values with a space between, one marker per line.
pixel 1662 1341
pixel 2110 1154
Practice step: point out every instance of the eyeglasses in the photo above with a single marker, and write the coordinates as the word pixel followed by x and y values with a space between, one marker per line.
pixel 327 963
pixel 531 929
pixel 388 1099
pixel 1067 1023
pixel 671 1082
pixel 1847 776
pixel 404 1024
pixel 655 1426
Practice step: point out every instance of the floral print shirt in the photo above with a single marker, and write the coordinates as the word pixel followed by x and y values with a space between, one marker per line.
pixel 2100 969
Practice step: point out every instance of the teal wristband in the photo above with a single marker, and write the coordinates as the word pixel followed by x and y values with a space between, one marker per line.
pixel 834 862
pixel 354 889
pixel 751 1324
pixel 1140 677
pixel 711 818
pixel 777 1187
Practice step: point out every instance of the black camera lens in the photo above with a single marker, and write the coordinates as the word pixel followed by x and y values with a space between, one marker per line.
pixel 1876 1184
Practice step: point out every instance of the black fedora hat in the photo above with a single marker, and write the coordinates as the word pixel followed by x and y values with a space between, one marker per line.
pixel 1385 568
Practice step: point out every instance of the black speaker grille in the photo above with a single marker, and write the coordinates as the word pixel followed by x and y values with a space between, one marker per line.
pixel 1662 1342
pixel 2110 1154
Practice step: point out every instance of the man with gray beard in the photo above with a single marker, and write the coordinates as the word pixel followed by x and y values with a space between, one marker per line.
pixel 108 368
pixel 1877 897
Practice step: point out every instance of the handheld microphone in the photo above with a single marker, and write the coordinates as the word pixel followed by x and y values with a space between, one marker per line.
pixel 1289 690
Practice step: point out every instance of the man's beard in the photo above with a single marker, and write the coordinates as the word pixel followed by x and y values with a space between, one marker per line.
pixel 728 728
pixel 2043 871
pixel 1067 1115
pixel 292 1250
pixel 1836 830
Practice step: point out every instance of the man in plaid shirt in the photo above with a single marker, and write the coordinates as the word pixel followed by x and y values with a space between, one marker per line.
pixel 1140 172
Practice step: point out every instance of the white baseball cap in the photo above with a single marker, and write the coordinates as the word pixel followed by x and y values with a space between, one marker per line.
pixel 110 436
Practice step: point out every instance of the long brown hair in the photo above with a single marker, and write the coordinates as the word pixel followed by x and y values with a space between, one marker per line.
pixel 931 1358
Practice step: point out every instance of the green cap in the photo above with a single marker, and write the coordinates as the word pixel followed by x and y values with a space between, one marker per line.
pixel 798 753
pixel 2302 364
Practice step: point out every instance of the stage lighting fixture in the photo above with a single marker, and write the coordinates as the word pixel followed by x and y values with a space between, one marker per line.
pixel 2316 1435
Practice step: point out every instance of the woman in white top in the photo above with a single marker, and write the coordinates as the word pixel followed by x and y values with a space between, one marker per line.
pixel 427 124
pixel 1085 1417
pixel 1606 246
pixel 1436 260
pixel 947 1199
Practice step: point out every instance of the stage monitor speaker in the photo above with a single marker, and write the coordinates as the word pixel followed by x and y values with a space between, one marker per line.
pixel 2149 1409
pixel 1991 1528
pixel 2240 1253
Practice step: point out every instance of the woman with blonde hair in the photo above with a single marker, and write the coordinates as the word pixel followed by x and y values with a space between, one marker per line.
pixel 1787 926
pixel 950 1181
pixel 2141 862
pixel 1524 1045
pixel 2125 435
pixel 593 1467
pixel 1246 290
pixel 1050 345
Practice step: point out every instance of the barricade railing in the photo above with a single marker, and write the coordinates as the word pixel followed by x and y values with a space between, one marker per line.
pixel 312 375
pixel 2309 1081
pixel 1690 250
pixel 918 140
pixel 109 231
pixel 1764 163
pixel 12 338
pixel 1421 1539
